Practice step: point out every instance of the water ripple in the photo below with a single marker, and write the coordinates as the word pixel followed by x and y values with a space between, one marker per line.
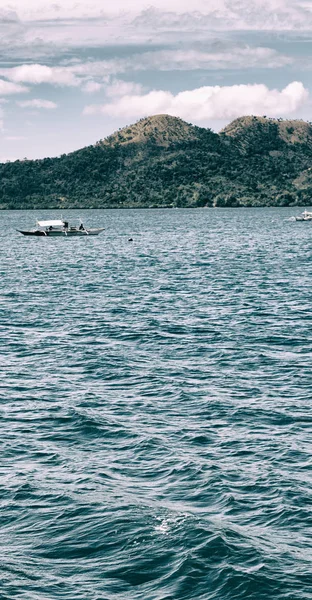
pixel 156 408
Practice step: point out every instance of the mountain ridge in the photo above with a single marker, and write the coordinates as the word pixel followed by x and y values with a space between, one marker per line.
pixel 164 128
pixel 164 161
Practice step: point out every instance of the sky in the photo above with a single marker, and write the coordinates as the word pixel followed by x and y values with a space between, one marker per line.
pixel 72 72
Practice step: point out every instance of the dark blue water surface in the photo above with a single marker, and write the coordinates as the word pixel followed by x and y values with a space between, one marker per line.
pixel 156 407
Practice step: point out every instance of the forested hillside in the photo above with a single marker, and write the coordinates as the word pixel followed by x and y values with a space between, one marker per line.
pixel 163 161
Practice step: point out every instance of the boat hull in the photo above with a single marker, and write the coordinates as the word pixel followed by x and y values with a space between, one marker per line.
pixel 36 233
pixel 62 233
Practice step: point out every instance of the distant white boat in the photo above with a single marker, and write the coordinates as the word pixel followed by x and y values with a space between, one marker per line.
pixel 61 228
pixel 305 216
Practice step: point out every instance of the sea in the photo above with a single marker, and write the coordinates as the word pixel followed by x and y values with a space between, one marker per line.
pixel 156 420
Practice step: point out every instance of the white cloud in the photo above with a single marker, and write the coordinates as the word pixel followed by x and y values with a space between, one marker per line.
pixel 15 138
pixel 98 68
pixel 36 74
pixel 73 75
pixel 231 56
pixel 7 88
pixel 7 15
pixel 219 56
pixel 91 87
pixel 123 88
pixel 92 75
pixel 41 24
pixel 269 14
pixel 226 15
pixel 37 103
pixel 45 9
pixel 206 103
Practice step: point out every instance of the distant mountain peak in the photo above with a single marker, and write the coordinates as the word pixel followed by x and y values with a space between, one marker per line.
pixel 162 129
pixel 162 161
pixel 290 131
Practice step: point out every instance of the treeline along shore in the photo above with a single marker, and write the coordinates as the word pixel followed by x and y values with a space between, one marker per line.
pixel 162 161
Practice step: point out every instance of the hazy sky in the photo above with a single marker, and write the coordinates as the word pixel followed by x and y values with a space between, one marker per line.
pixel 73 72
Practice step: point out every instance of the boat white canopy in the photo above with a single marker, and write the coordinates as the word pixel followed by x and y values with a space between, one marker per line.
pixel 50 223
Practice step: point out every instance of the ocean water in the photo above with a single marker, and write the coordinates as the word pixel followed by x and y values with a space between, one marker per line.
pixel 156 407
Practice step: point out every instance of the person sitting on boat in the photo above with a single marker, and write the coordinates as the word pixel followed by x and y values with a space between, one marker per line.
pixel 65 224
pixel 81 227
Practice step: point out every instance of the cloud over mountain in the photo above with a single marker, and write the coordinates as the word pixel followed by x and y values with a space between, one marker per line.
pixel 205 61
pixel 208 102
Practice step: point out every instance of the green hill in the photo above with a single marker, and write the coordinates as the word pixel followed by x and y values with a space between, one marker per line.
pixel 163 161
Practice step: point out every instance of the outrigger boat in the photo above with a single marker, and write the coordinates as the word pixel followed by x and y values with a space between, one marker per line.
pixel 60 228
pixel 305 216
